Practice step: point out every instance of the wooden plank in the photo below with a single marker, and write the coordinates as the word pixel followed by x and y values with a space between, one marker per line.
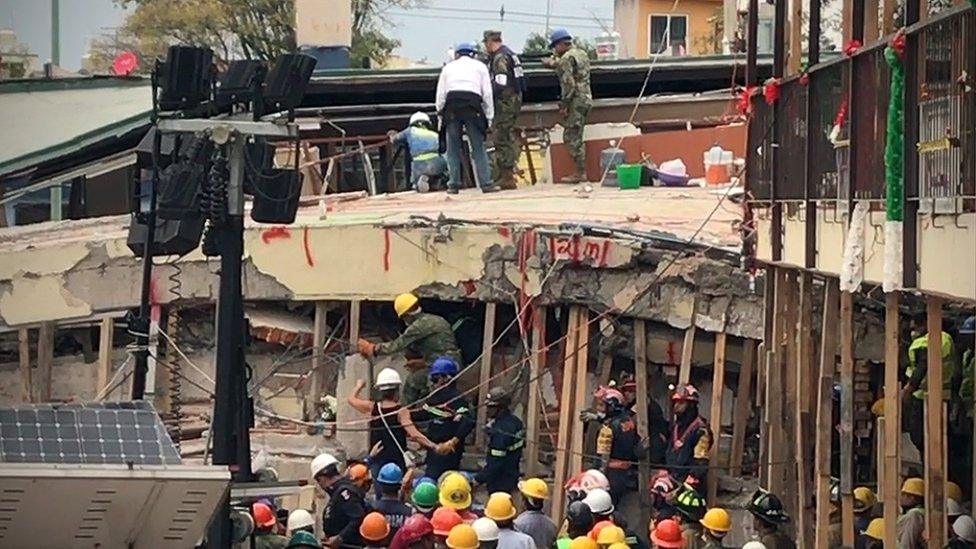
pixel 743 407
pixel 892 414
pixel 828 357
pixel 484 374
pixel 319 331
pixel 888 25
pixel 582 357
pixel 847 18
pixel 765 430
pixel 872 30
pixel 163 375
pixel 566 416
pixel 355 312
pixel 803 409
pixel 537 360
pixel 776 391
pixel 640 376
pixel 45 360
pixel 847 417
pixel 796 37
pixel 934 441
pixel 687 351
pixel 23 350
pixel 788 364
pixel 718 390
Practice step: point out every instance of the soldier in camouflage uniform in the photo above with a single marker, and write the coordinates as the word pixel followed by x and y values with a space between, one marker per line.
pixel 572 67
pixel 508 83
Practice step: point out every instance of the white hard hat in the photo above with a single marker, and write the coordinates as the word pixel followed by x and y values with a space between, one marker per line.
pixel 965 528
pixel 754 545
pixel 388 378
pixel 486 529
pixel 599 502
pixel 321 462
pixel 299 518
pixel 418 117
pixel 594 478
pixel 953 509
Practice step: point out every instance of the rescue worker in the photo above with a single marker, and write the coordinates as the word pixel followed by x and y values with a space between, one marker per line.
pixel 767 513
pixel 963 533
pixel 506 437
pixel 448 417
pixel 667 535
pixel 532 521
pixel 466 105
pixel 953 510
pixel 443 520
pixel 690 507
pixel 390 424
pixel 572 67
pixel 690 440
pixel 508 85
pixel 416 533
pixel 303 540
pixel 874 534
pixel 462 536
pixel 300 520
pixel 864 502
pixel 501 510
pixel 967 351
pixel 455 494
pixel 911 523
pixel 424 498
pixel 579 519
pixel 346 508
pixel 717 524
pixel 914 390
pixel 600 504
pixel 487 532
pixel 264 526
pixel 396 512
pixel 374 531
pixel 422 145
pixel 663 488
pixel 617 444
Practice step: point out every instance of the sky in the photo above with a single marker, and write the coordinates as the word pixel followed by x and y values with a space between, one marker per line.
pixel 424 32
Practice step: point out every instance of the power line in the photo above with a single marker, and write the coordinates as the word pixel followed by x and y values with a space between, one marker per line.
pixel 540 24
pixel 586 18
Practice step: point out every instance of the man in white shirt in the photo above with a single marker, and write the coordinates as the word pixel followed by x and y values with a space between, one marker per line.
pixel 465 104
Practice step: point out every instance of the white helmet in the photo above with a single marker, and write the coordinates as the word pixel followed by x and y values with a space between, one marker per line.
pixel 754 545
pixel 599 502
pixel 486 529
pixel 322 462
pixel 965 528
pixel 388 378
pixel 299 518
pixel 592 479
pixel 953 509
pixel 419 118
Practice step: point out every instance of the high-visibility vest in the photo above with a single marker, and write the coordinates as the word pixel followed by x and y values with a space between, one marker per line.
pixel 921 344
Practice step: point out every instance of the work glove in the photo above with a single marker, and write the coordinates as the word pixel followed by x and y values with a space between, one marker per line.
pixel 366 348
pixel 590 415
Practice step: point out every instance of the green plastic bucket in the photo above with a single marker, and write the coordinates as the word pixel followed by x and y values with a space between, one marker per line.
pixel 629 175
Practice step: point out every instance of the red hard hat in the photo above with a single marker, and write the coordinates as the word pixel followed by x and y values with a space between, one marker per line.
pixel 415 527
pixel 595 531
pixel 611 393
pixel 443 519
pixel 667 534
pixel 264 517
pixel 686 392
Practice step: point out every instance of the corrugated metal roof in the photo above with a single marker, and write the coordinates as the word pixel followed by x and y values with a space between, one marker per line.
pixel 43 119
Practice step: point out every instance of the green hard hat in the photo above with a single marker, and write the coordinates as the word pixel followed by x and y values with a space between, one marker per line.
pixel 425 496
pixel 302 538
pixel 563 543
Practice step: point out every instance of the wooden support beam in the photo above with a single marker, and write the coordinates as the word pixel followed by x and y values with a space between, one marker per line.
pixel 763 400
pixel 718 392
pixel 872 30
pixel 319 331
pixel 788 364
pixel 106 343
pixel 582 357
pixel 803 410
pixel 891 480
pixel 847 417
pixel 45 360
pixel 776 391
pixel 23 350
pixel 934 431
pixel 972 459
pixel 743 407
pixel 533 411
pixel 847 21
pixel 164 374
pixel 566 415
pixel 640 377
pixel 796 37
pixel 825 389
pixel 484 375
pixel 888 25
pixel 687 352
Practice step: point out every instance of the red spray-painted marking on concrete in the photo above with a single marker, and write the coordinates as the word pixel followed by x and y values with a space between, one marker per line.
pixel 469 287
pixel 308 250
pixel 275 233
pixel 672 354
pixel 505 232
pixel 595 251
pixel 386 250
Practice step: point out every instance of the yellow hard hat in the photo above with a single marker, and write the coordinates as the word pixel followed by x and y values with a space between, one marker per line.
pixel 499 507
pixel 610 535
pixel 619 546
pixel 878 407
pixel 914 486
pixel 875 529
pixel 717 520
pixel 462 536
pixel 582 542
pixel 534 488
pixel 404 302
pixel 864 499
pixel 953 491
pixel 455 492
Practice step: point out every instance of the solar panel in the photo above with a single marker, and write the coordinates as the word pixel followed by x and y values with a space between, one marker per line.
pixel 96 433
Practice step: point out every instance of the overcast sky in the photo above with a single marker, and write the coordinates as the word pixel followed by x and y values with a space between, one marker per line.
pixel 424 32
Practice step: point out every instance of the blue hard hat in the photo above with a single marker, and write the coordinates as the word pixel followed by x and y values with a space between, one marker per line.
pixel 559 35
pixel 390 474
pixel 423 480
pixel 444 366
pixel 968 326
pixel 465 47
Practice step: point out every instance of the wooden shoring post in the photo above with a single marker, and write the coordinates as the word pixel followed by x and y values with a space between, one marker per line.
pixel 319 330
pixel 106 341
pixel 640 377
pixel 824 430
pixel 934 432
pixel 803 409
pixel 892 416
pixel 484 375
pixel 872 31
pixel 743 405
pixel 688 347
pixel 972 406
pixel 718 392
pixel 45 360
pixel 776 392
pixel 847 417
pixel 581 358
pixel 566 415
pixel 165 375
pixel 23 351
pixel 788 364
pixel 765 432
pixel 796 37
pixel 533 411
pixel 888 24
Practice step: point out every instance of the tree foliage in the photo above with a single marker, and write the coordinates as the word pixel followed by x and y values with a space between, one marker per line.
pixel 538 44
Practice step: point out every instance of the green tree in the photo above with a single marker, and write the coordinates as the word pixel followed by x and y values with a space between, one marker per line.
pixel 369 43
pixel 538 44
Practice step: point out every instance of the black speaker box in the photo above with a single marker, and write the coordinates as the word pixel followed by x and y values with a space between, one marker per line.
pixel 287 81
pixel 173 237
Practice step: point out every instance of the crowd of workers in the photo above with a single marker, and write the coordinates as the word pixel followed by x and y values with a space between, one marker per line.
pixel 475 97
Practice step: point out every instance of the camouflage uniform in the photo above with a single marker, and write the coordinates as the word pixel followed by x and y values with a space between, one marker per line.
pixel 507 81
pixel 429 336
pixel 573 71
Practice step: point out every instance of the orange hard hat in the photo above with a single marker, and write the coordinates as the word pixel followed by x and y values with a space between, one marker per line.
pixel 667 534
pixel 264 517
pixel 443 519
pixel 595 531
pixel 357 472
pixel 374 527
